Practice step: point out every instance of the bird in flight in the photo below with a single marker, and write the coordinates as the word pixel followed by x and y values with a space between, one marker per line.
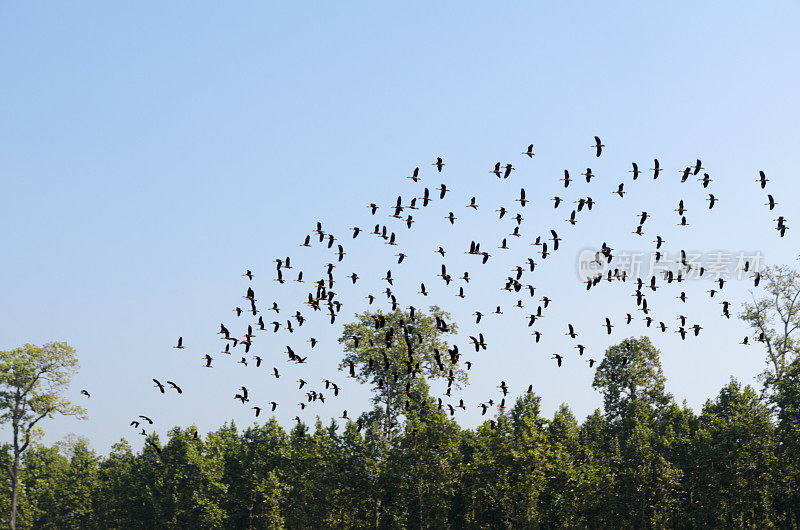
pixel 529 152
pixel 598 145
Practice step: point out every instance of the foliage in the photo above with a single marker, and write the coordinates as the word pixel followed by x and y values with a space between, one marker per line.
pixel 393 352
pixel 775 317
pixel 643 461
pixel 32 379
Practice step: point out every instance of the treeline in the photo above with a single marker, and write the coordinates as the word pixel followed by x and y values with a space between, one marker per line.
pixel 643 462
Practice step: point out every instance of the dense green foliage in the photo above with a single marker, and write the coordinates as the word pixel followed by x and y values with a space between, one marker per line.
pixel 643 462
pixel 32 381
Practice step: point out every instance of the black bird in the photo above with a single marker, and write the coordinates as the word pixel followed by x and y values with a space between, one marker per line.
pixel 571 332
pixel 176 387
pixel 555 239
pixel 598 146
pixel 522 201
pixel 566 179
pixel 439 163
pixel 529 152
pixel 656 169
pixel 762 179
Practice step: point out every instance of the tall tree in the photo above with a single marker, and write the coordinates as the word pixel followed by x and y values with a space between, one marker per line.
pixel 255 473
pixel 646 483
pixel 390 350
pixel 787 399
pixel 393 351
pixel 61 484
pixel 733 451
pixel 630 372
pixel 32 380
pixel 776 319
pixel 191 487
pixel 116 502
pixel 422 469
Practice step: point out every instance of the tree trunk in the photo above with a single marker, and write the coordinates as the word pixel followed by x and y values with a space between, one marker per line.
pixel 387 428
pixel 12 518
pixel 388 423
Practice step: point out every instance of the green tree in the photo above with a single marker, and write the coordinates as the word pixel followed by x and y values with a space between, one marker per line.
pixel 646 484
pixel 504 468
pixel 776 319
pixel 43 476
pixel 787 399
pixel 562 498
pixel 733 452
pixel 630 372
pixel 394 353
pixel 118 502
pixel 313 478
pixel 192 488
pixel 390 351
pixel 61 483
pixel 360 474
pixel 256 467
pixel 421 472
pixel 32 380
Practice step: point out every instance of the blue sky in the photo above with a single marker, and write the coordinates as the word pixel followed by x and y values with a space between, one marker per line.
pixel 150 153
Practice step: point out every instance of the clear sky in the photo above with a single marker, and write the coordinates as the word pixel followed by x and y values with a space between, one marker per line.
pixel 151 152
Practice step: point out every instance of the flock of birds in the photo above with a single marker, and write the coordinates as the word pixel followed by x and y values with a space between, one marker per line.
pixel 324 300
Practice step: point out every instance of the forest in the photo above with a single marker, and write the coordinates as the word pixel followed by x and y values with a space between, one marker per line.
pixel 644 461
